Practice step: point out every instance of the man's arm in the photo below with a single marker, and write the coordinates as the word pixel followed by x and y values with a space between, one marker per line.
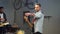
pixel 5 16
pixel 37 16
pixel 26 19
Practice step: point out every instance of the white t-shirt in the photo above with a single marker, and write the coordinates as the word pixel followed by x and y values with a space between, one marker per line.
pixel 1 16
pixel 38 24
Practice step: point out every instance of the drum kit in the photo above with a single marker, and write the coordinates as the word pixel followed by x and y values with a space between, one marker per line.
pixel 13 28
pixel 20 32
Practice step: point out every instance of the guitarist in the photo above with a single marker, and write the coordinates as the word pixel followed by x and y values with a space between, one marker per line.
pixel 2 20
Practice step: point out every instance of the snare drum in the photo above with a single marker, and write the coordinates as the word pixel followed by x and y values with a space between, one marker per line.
pixel 20 32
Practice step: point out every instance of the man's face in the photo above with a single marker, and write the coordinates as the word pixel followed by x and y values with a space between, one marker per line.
pixel 1 10
pixel 37 8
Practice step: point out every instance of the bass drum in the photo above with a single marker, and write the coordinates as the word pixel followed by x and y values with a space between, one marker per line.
pixel 20 32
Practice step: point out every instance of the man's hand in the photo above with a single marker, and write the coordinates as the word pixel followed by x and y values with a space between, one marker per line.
pixel 32 14
pixel 28 22
pixel 2 19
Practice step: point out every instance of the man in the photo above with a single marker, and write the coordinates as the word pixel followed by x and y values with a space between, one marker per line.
pixel 2 20
pixel 38 19
pixel 27 24
pixel 27 18
pixel 2 15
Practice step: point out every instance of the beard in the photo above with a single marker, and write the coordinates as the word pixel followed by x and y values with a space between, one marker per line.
pixel 37 10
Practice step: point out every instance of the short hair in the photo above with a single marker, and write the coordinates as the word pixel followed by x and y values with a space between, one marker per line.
pixel 38 4
pixel 26 12
pixel 1 7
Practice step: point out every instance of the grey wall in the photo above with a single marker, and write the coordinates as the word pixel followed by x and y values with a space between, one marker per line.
pixel 49 7
pixel 8 9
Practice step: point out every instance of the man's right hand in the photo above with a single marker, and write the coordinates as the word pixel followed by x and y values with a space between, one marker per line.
pixel 33 14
